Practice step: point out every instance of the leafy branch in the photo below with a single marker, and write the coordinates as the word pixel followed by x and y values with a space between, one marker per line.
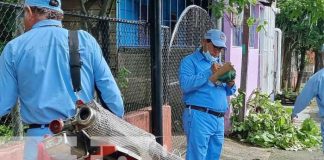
pixel 122 80
pixel 268 125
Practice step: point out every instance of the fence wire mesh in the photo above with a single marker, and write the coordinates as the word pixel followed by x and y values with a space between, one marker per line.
pixel 10 22
pixel 10 27
pixel 126 47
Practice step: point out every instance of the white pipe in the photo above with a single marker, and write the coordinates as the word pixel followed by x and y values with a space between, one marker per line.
pixel 279 60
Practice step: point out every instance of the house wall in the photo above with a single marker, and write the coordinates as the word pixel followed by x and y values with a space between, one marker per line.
pixel 234 55
pixel 269 48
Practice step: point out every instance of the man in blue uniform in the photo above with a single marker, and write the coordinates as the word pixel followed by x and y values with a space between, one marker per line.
pixel 35 69
pixel 314 87
pixel 205 97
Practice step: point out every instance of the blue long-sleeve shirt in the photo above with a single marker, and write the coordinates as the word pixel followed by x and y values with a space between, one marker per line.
pixel 314 87
pixel 197 90
pixel 34 67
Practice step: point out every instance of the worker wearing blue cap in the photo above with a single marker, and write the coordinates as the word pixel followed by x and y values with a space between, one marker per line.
pixel 314 88
pixel 205 97
pixel 35 69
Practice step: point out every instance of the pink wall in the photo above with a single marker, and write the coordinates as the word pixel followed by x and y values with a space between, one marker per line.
pixel 234 55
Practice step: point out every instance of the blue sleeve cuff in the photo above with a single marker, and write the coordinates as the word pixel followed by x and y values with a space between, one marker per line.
pixel 293 113
pixel 210 83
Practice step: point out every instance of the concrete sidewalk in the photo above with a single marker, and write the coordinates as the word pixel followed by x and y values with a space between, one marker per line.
pixel 237 151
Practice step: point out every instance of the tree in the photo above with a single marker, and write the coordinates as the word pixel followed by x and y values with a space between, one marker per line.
pixel 302 24
pixel 319 60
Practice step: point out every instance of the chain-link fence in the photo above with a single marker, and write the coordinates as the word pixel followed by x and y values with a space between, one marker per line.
pixel 10 27
pixel 126 47
pixel 10 22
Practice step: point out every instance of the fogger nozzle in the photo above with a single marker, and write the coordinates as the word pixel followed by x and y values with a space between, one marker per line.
pixel 83 119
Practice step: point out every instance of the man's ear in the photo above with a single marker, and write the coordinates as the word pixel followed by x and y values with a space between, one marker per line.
pixel 28 12
pixel 203 43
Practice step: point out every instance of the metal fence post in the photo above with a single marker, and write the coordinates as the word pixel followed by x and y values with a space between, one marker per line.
pixel 156 69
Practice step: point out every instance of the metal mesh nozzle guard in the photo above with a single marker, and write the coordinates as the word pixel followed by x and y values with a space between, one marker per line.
pixel 107 128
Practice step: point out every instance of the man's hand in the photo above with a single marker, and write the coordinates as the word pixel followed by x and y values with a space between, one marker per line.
pixel 222 70
pixel 225 68
pixel 215 67
pixel 293 118
pixel 230 84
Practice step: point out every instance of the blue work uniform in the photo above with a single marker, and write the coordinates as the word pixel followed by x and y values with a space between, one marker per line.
pixel 314 87
pixel 204 131
pixel 34 67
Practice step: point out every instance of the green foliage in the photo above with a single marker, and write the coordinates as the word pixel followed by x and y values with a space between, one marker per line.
pixel 268 125
pixel 287 97
pixel 310 133
pixel 302 23
pixel 122 80
pixel 2 45
pixel 250 21
pixel 237 104
pixel 5 131
pixel 302 11
pixel 290 94
pixel 261 26
pixel 217 8
pixel 235 7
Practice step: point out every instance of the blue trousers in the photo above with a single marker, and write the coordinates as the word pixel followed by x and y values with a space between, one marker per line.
pixel 33 137
pixel 205 135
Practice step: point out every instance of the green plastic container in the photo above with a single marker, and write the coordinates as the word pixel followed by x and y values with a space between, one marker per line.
pixel 228 76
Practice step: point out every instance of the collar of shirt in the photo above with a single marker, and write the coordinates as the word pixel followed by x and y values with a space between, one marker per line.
pixel 47 22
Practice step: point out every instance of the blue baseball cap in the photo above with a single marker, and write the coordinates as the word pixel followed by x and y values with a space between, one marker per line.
pixel 49 4
pixel 217 37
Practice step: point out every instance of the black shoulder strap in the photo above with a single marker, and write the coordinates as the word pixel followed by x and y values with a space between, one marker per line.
pixel 75 62
pixel 75 66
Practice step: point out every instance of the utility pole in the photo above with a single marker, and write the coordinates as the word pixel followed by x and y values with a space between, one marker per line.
pixel 245 57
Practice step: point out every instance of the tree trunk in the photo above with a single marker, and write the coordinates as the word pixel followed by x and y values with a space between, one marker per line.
pixel 245 57
pixel 286 64
pixel 301 69
pixel 290 70
pixel 319 61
